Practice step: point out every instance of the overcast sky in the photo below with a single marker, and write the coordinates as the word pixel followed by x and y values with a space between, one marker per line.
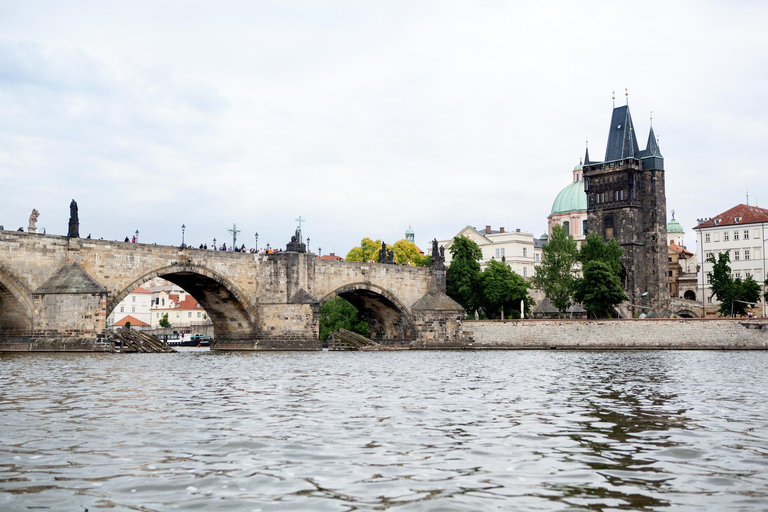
pixel 365 116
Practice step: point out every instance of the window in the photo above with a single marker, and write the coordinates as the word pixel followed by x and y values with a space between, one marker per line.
pixel 122 309
pixel 709 279
pixel 735 235
pixel 525 271
pixel 706 238
pixel 567 226
pixel 199 314
pixel 158 315
pixel 133 309
pixel 584 227
pixel 189 314
pixel 746 254
pixel 746 234
pixel 133 298
pixel 738 275
pixel 725 236
pixel 735 255
pixel 498 253
pixel 709 300
pixel 670 273
pixel 525 252
pixel 502 251
pixel 536 257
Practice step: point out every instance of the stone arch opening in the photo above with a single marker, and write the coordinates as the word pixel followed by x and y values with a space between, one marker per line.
pixel 686 313
pixel 16 306
pixel 389 320
pixel 230 312
pixel 689 295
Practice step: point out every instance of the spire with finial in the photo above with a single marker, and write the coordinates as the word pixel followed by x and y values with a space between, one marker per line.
pixel 673 214
pixel 613 98
pixel 747 196
pixel 586 153
pixel 626 94
pixel 651 118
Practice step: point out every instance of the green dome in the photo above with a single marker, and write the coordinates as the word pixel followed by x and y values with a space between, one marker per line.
pixel 408 231
pixel 579 167
pixel 571 199
pixel 674 227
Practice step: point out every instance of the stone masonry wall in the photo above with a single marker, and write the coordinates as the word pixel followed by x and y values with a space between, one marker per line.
pixel 618 334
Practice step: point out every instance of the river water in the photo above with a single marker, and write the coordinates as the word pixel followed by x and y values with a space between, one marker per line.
pixel 335 431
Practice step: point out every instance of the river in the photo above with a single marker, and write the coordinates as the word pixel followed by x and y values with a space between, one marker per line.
pixel 407 430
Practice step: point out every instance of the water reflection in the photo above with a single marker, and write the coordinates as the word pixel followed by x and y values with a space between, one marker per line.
pixel 374 431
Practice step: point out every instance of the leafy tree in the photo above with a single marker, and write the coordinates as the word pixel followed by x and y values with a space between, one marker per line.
pixel 463 280
pixel 503 289
pixel 164 321
pixel 733 294
pixel 600 289
pixel 372 248
pixel 127 325
pixel 338 313
pixel 555 274
pixel 407 252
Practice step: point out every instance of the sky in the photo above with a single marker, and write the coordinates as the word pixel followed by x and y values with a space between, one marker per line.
pixel 365 117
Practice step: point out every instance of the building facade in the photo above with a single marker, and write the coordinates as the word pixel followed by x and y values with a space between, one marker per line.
pixel 626 200
pixel 182 309
pixel 742 231
pixel 137 305
pixel 570 208
pixel 519 250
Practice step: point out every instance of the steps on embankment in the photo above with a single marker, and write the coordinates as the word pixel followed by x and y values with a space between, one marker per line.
pixel 137 341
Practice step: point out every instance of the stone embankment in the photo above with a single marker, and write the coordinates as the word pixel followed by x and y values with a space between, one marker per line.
pixel 620 334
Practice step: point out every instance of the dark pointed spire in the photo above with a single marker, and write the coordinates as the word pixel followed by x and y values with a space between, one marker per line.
pixel 652 148
pixel 621 137
pixel 586 154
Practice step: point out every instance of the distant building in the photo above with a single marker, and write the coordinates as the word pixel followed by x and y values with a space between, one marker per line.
pixel 331 257
pixel 742 231
pixel 136 304
pixel 683 269
pixel 182 310
pixel 626 200
pixel 570 208
pixel 520 251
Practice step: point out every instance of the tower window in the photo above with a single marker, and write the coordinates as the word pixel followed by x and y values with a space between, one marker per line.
pixel 746 234
pixel 735 235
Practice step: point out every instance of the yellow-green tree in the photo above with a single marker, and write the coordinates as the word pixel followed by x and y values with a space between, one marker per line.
pixel 406 252
pixel 366 251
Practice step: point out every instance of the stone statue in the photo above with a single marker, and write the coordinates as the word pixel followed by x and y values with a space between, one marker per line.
pixel 74 222
pixel 33 221
pixel 442 254
pixel 390 256
pixel 383 253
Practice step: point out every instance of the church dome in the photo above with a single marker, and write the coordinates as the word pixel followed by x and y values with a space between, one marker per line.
pixel 409 231
pixel 674 227
pixel 579 167
pixel 571 199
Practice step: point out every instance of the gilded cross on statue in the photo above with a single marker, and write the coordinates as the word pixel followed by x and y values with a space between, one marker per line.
pixel 299 220
pixel 234 232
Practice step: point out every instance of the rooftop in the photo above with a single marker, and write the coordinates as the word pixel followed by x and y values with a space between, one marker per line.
pixel 738 215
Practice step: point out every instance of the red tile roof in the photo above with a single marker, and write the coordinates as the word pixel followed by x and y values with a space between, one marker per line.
pixel 141 290
pixel 680 250
pixel 135 322
pixel 188 303
pixel 745 213
pixel 330 257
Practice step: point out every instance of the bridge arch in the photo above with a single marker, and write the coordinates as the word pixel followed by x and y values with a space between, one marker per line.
pixel 230 311
pixel 17 310
pixel 389 320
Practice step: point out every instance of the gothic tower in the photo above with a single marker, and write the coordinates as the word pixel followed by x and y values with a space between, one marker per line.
pixel 626 201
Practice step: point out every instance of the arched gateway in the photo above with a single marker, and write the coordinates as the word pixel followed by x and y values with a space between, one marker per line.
pixel 56 293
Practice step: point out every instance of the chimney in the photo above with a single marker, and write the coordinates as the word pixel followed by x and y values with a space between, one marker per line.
pixel 487 229
pixel 501 229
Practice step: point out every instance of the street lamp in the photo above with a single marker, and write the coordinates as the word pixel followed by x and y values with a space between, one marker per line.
pixel 214 244
pixel 307 244
pixel 319 251
pixel 256 247
pixel 137 236
pixel 362 258
pixel 183 228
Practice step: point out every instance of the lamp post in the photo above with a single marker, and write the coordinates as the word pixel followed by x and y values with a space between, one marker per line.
pixel 214 244
pixel 319 251
pixel 307 244
pixel 183 228
pixel 256 247
pixel 137 236
pixel 362 257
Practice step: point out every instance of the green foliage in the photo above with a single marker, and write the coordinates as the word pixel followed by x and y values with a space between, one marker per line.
pixel 164 321
pixel 555 274
pixel 463 280
pixel 765 286
pixel 600 289
pixel 406 252
pixel 338 313
pixel 372 248
pixel 501 289
pixel 127 325
pixel 733 294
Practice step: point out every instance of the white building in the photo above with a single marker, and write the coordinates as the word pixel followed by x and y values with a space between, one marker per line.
pixel 182 309
pixel 521 251
pixel 135 305
pixel 742 231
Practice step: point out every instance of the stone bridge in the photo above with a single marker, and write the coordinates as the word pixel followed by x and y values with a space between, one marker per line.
pixel 56 293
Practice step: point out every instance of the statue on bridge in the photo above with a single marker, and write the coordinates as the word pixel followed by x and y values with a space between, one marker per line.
pixel 295 244
pixel 438 255
pixel 33 221
pixel 386 256
pixel 74 222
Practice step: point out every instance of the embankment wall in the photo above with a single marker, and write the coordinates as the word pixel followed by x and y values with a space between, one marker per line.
pixel 620 334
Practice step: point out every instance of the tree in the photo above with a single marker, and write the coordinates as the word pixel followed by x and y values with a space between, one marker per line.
pixel 600 289
pixel 338 313
pixel 734 294
pixel 463 280
pixel 501 289
pixel 406 252
pixel 372 248
pixel 164 321
pixel 127 325
pixel 555 274
pixel 765 286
